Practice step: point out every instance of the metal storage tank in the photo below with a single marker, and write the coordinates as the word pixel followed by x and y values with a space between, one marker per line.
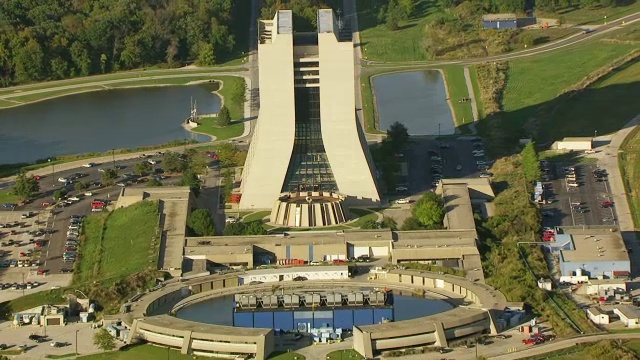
pixel 331 299
pixel 273 300
pixel 343 319
pixel 243 319
pixel 352 298
pixel 308 299
pixel 322 319
pixel 283 320
pixel 362 317
pixel 377 298
pixel 263 319
pixel 382 313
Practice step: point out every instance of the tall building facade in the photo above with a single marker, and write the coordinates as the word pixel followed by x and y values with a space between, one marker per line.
pixel 307 138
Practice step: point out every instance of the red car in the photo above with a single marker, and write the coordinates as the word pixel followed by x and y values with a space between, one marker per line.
pixel 548 238
pixel 549 233
pixel 529 341
pixel 607 203
pixel 45 204
pixel 37 177
pixel 42 271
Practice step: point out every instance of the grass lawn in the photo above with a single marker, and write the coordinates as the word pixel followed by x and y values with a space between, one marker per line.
pixel 369 109
pixel 278 355
pixel 457 88
pixel 5 103
pixel 165 81
pixel 344 355
pixel 7 197
pixel 141 74
pixel 63 356
pixel 539 80
pixel 578 16
pixel 613 98
pixel 405 44
pixel 143 352
pixel 208 126
pixel 231 85
pixel 259 215
pixel 54 93
pixel 629 161
pixel 126 231
pixel 363 215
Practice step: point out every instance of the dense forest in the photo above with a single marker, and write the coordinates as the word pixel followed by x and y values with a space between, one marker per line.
pixel 304 11
pixel 56 39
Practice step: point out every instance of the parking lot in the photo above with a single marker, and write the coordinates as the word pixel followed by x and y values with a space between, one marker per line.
pixel 429 160
pixel 588 203
pixel 47 250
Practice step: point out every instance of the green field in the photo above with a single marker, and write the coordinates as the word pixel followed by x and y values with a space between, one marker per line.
pixel 606 349
pixel 629 161
pixel 405 44
pixel 141 74
pixel 259 215
pixel 232 91
pixel 7 197
pixel 31 301
pixel 363 215
pixel 54 93
pixel 457 88
pixel 208 126
pixel 369 110
pixel 126 231
pixel 286 356
pixel 591 15
pixel 144 352
pixel 348 354
pixel 159 82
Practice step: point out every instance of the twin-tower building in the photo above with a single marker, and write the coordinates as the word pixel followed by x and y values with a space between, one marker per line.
pixel 308 156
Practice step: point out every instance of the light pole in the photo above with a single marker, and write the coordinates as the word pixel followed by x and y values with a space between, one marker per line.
pixel 77 342
pixel 113 157
pixel 595 133
pixel 53 172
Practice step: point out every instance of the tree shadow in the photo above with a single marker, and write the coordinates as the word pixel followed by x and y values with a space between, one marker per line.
pixel 577 113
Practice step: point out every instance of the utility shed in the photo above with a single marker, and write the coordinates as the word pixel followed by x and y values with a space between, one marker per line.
pixel 499 21
pixel 574 143
pixel 598 316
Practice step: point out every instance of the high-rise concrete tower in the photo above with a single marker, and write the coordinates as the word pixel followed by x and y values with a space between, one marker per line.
pixel 308 140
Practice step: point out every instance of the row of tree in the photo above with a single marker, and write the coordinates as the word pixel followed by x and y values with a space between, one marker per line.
pixel 45 40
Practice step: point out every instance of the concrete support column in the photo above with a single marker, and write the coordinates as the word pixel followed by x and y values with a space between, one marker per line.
pixel 441 338
pixel 186 343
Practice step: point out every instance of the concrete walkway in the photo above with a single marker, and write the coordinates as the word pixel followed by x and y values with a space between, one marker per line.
pixel 472 96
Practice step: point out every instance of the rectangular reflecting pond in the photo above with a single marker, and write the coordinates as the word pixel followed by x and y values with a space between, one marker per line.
pixel 417 99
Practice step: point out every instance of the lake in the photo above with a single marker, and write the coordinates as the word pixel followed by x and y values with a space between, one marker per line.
pixel 417 99
pixel 101 121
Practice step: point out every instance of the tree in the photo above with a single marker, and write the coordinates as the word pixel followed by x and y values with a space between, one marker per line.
pixel 142 168
pixel 224 116
pixel 398 135
pixel 206 55
pixel 173 163
pixel 428 210
pixel 255 228
pixel 530 162
pixel 26 186
pixel 234 229
pixel 103 340
pixel 153 182
pixel 59 194
pixel 411 223
pixel 561 20
pixel 370 224
pixel 190 179
pixel 81 185
pixel 200 223
pixel 388 223
pixel 109 176
pixel 30 62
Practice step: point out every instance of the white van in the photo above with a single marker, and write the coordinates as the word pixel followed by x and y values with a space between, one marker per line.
pixel 573 184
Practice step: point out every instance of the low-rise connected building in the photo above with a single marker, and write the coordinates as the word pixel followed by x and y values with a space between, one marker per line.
pixel 597 316
pixel 594 252
pixel 629 315
pixel 573 143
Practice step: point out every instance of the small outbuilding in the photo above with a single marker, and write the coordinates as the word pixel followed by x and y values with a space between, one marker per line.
pixel 499 21
pixel 574 143
pixel 597 316
pixel 629 315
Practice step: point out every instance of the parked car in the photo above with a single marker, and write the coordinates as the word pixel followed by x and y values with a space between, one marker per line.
pixel 402 201
pixel 231 219
pixel 299 278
